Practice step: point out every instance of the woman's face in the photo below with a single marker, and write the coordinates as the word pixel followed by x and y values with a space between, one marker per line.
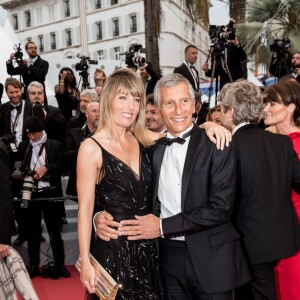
pixel 125 109
pixel 276 113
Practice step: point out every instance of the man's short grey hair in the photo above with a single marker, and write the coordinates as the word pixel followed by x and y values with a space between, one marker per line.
pixel 35 84
pixel 171 80
pixel 90 93
pixel 245 98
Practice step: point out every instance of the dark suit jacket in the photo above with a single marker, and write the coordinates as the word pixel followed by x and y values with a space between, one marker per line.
pixel 6 201
pixel 35 72
pixel 53 162
pixel 267 167
pixel 5 117
pixel 185 72
pixel 208 190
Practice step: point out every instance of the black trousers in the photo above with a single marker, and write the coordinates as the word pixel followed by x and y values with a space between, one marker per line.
pixel 263 286
pixel 179 276
pixel 52 214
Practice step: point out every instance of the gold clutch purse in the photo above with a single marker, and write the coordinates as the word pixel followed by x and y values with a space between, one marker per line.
pixel 106 286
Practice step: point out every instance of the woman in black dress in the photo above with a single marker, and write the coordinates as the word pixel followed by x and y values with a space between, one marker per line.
pixel 113 165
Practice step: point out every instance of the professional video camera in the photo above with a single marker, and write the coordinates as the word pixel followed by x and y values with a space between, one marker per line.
pixel 28 185
pixel 18 55
pixel 131 57
pixel 222 33
pixel 10 140
pixel 83 67
pixel 281 46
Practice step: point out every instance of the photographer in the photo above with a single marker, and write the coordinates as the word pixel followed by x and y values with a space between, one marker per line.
pixel 283 63
pixel 234 54
pixel 51 117
pixel 42 160
pixel 149 75
pixel 32 69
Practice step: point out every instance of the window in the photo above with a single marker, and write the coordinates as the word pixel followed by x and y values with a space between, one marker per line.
pixel 117 53
pixel 39 15
pixel 27 18
pixel 15 22
pixel 100 54
pixel 53 40
pixel 67 8
pixel 133 25
pixel 98 4
pixel 51 11
pixel 29 39
pixel 41 43
pixel 113 2
pixel 99 30
pixel 116 31
pixel 68 37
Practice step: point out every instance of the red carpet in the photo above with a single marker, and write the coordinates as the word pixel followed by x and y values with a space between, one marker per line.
pixel 63 288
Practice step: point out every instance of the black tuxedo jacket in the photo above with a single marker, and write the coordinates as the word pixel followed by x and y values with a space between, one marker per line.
pixel 53 162
pixel 6 202
pixel 35 72
pixel 208 190
pixel 186 72
pixel 5 125
pixel 267 168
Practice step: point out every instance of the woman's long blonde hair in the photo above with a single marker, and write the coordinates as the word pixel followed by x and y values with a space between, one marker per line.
pixel 123 80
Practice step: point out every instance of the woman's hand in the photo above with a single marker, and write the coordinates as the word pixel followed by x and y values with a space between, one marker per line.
pixel 87 275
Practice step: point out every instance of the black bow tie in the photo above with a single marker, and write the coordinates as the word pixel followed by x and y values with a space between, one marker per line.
pixel 168 142
pixel 18 108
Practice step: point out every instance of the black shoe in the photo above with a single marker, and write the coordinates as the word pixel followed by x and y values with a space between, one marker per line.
pixel 50 270
pixel 63 272
pixel 19 240
pixel 41 238
pixel 33 271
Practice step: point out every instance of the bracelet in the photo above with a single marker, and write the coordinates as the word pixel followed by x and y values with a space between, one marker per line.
pixel 81 258
pixel 62 82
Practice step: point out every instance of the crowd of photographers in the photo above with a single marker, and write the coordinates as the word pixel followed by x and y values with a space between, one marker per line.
pixel 43 140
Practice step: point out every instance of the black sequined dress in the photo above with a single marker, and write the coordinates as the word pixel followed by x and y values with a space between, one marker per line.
pixel 124 194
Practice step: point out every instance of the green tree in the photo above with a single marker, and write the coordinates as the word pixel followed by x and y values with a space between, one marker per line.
pixel 269 20
pixel 153 14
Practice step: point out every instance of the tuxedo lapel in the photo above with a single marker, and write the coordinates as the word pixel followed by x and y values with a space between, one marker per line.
pixel 189 162
pixel 156 162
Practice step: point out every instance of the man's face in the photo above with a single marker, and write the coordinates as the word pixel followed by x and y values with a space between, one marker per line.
pixel 36 94
pixel 14 94
pixel 92 115
pixel 84 101
pixel 143 72
pixel 32 50
pixel 176 108
pixel 226 118
pixel 154 120
pixel 191 55
pixel 35 136
pixel 296 60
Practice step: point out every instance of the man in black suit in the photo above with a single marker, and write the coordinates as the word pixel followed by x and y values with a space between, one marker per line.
pixel 187 68
pixel 6 201
pixel 150 77
pixel 53 120
pixel 193 193
pixel 73 141
pixel 32 69
pixel 43 157
pixel 267 168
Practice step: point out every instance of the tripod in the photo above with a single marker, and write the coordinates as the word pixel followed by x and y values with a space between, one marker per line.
pixel 217 53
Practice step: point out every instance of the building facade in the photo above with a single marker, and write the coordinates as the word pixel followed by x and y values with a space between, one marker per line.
pixel 112 26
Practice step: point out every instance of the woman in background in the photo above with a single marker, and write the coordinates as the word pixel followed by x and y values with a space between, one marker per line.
pixel 67 93
pixel 282 113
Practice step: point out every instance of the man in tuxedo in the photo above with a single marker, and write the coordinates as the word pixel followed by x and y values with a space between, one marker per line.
pixel 6 201
pixel 187 68
pixel 32 69
pixel 193 193
pixel 53 120
pixel 267 168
